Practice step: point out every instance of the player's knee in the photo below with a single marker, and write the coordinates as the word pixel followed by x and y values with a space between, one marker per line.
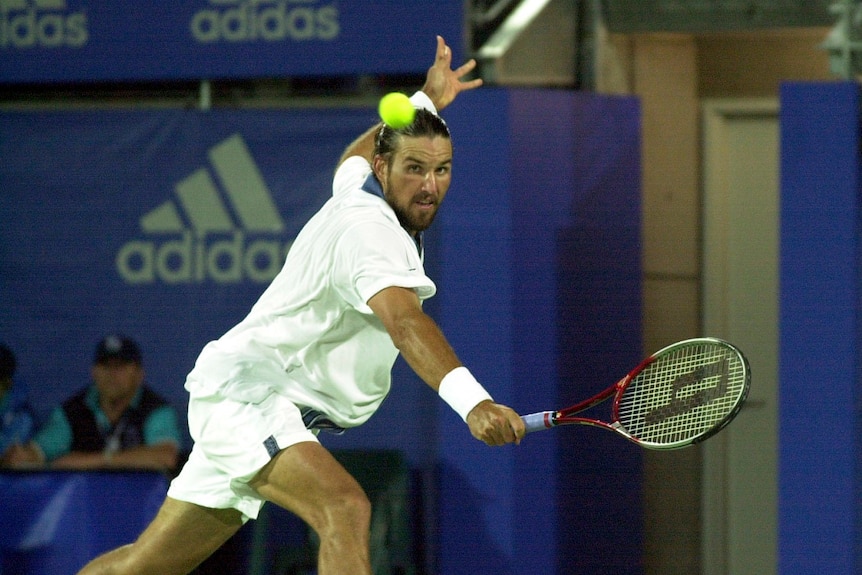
pixel 348 510
pixel 130 560
pixel 116 562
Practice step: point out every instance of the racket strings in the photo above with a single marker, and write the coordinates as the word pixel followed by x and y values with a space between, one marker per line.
pixel 683 393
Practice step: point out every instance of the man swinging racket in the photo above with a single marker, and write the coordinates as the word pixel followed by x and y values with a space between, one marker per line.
pixel 315 351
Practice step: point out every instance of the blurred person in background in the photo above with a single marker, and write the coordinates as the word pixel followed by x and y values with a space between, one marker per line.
pixel 17 419
pixel 115 422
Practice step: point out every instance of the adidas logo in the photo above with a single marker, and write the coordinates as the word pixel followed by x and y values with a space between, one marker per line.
pixel 43 23
pixel 266 20
pixel 208 245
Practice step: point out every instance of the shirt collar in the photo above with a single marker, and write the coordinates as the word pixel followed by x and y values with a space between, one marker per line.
pixel 372 186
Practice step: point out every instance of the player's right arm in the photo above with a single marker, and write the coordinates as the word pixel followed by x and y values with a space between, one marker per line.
pixel 427 351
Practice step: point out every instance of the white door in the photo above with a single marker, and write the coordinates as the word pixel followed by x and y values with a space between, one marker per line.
pixel 740 304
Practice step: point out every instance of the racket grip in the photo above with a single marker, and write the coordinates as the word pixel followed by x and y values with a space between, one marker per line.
pixel 538 421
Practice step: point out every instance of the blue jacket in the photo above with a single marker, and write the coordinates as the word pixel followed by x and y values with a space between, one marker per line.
pixel 17 419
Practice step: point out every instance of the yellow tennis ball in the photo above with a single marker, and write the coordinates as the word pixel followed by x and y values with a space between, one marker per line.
pixel 396 110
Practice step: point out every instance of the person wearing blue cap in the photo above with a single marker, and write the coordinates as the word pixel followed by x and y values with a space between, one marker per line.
pixel 116 422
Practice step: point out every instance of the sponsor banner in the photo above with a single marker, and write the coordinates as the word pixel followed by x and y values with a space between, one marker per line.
pixel 104 40
pixel 165 225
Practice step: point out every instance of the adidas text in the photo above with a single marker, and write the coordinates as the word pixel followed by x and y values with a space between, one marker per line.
pixel 23 26
pixel 226 258
pixel 272 21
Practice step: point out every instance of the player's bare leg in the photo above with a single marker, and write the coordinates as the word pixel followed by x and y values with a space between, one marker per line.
pixel 180 537
pixel 308 481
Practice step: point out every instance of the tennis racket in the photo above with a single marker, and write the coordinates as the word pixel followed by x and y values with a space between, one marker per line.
pixel 678 396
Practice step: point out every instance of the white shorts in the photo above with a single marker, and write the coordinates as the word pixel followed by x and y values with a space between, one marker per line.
pixel 233 441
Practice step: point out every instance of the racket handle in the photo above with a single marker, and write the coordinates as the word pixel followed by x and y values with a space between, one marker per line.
pixel 538 421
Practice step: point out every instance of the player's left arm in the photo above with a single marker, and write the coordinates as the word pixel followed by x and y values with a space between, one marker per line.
pixel 362 146
pixel 442 85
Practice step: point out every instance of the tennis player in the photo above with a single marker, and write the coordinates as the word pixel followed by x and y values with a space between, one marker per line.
pixel 316 351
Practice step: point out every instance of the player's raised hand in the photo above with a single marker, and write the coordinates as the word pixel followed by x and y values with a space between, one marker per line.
pixel 442 83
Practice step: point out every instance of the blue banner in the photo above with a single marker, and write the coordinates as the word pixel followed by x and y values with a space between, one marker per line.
pixel 104 40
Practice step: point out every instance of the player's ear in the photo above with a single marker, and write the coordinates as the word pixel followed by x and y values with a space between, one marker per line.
pixel 379 164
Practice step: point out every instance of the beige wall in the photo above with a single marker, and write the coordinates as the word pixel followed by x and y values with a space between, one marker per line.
pixel 672 74
pixel 746 64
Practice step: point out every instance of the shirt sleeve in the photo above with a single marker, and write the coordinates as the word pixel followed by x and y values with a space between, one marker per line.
pixel 350 175
pixel 55 437
pixel 374 256
pixel 17 430
pixel 161 427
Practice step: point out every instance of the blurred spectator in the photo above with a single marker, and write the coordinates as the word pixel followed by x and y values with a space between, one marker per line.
pixel 17 421
pixel 116 422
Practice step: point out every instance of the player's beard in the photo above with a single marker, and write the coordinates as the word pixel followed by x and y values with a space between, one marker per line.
pixel 410 217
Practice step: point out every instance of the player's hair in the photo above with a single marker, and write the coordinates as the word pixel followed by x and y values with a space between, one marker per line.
pixel 425 124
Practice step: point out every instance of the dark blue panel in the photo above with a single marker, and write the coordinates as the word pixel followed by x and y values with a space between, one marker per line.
pixel 544 236
pixel 579 261
pixel 819 501
pixel 475 310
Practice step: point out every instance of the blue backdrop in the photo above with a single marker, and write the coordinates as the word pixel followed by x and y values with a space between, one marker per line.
pixel 168 224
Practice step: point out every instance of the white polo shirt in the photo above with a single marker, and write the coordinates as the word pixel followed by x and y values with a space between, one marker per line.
pixel 311 336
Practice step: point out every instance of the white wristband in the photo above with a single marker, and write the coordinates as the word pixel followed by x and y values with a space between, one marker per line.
pixel 461 391
pixel 421 100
